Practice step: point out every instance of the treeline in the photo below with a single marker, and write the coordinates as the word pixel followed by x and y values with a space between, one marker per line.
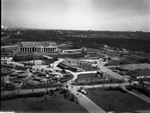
pixel 130 44
pixel 135 42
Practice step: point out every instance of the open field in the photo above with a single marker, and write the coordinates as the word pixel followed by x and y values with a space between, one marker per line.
pixel 39 56
pixel 94 78
pixel 114 63
pixel 55 104
pixel 117 101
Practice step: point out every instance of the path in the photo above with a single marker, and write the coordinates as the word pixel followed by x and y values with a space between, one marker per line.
pixel 145 98
pixel 25 91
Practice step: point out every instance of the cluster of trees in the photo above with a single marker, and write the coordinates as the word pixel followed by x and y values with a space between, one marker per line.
pixel 68 95
pixel 9 87
pixel 143 89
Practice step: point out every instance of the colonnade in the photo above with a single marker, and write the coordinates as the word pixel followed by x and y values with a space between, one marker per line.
pixel 38 49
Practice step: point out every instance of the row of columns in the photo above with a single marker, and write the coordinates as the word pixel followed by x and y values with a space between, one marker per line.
pixel 38 49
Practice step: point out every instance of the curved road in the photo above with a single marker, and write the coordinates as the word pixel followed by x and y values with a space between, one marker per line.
pixel 83 99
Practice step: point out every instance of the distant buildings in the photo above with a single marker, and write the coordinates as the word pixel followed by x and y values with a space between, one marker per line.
pixel 40 47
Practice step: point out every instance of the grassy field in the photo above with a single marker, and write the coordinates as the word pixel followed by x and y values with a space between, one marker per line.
pixel 55 104
pixel 86 78
pixel 114 63
pixel 117 101
pixel 93 78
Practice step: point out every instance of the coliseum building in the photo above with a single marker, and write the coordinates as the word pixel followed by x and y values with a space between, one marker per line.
pixel 40 47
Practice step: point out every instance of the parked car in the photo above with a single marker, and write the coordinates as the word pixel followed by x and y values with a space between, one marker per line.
pixel 81 90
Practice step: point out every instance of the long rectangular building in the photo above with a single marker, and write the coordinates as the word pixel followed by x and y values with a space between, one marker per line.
pixel 44 47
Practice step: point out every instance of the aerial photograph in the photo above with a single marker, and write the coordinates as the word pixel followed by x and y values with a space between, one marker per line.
pixel 75 56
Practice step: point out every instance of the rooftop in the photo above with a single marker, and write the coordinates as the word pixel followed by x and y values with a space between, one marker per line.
pixel 35 44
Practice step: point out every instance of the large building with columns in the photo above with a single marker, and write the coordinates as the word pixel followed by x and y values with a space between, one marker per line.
pixel 40 47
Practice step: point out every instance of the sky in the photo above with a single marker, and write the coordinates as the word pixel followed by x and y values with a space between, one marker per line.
pixel 110 15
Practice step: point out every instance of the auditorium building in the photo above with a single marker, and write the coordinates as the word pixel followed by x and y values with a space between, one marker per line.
pixel 40 47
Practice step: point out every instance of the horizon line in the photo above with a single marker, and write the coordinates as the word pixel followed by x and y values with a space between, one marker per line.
pixel 90 30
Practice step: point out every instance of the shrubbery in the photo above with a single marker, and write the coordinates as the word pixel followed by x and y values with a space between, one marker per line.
pixel 9 87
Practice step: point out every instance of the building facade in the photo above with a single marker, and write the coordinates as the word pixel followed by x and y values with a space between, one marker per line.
pixel 39 47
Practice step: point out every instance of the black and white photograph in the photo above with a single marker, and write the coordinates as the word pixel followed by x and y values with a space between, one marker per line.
pixel 75 56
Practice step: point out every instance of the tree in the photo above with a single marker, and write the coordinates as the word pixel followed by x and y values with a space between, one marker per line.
pixel 109 60
pixel 67 86
pixel 110 87
pixel 51 92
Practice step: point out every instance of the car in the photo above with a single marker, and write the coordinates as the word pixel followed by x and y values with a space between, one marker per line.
pixel 135 82
pixel 81 90
pixel 111 112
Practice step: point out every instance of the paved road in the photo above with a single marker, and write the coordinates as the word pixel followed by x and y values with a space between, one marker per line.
pixel 110 72
pixel 82 99
pixel 57 62
pixel 102 68
pixel 88 104
pixel 106 85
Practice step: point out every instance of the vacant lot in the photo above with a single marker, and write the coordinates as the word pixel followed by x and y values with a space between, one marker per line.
pixel 55 104
pixel 93 78
pixel 117 101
